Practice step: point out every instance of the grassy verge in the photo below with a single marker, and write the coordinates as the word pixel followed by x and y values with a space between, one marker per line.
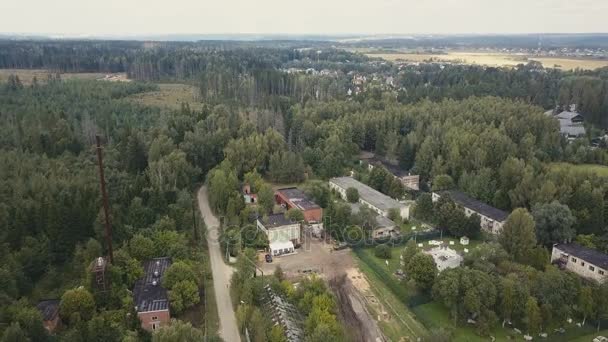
pixel 589 337
pixel 403 321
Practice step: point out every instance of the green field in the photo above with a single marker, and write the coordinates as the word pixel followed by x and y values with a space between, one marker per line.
pixel 599 170
pixel 170 96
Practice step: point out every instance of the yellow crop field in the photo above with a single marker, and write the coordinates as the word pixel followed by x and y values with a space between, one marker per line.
pixel 493 59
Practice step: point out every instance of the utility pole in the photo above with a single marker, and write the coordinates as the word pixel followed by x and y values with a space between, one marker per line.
pixel 104 196
pixel 194 222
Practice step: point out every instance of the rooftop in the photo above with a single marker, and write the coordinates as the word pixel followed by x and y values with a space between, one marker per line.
pixel 477 206
pixel 393 168
pixel 368 194
pixel 571 116
pixel 381 221
pixel 591 256
pixel 148 293
pixel 298 198
pixel 275 221
pixel 48 308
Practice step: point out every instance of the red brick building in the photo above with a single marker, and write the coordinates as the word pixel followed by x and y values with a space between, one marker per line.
pixel 151 300
pixel 295 198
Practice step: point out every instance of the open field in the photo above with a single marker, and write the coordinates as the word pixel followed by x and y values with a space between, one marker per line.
pixel 27 75
pixel 493 59
pixel 599 170
pixel 170 96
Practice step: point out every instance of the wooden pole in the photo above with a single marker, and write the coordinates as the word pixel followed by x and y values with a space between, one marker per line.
pixel 104 196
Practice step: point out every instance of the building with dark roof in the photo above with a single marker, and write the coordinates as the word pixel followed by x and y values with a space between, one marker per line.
pixel 586 262
pixel 49 309
pixel 492 219
pixel 411 182
pixel 570 123
pixel 296 198
pixel 151 299
pixel 283 234
pixel 383 227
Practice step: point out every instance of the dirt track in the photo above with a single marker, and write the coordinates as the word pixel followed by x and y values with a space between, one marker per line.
pixel 360 326
pixel 221 273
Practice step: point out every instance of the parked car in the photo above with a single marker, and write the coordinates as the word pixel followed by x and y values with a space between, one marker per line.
pixel 268 258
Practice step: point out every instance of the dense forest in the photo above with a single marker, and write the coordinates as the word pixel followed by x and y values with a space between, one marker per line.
pixel 480 130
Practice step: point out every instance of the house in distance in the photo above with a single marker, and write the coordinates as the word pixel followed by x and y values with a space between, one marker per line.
pixel 151 300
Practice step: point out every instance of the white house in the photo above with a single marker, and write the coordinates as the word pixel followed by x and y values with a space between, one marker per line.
pixel 586 262
pixel 283 234
pixel 492 219
pixel 370 197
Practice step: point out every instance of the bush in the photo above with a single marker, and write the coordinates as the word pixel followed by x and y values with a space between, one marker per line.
pixel 352 195
pixel 383 252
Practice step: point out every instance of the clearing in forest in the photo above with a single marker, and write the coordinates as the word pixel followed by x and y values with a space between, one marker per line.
pixel 170 96
pixel 27 75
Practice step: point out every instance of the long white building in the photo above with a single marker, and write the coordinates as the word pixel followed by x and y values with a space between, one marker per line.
pixel 492 219
pixel 370 197
pixel 585 262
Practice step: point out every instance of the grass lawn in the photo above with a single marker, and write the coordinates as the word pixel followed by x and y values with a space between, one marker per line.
pixel 589 337
pixel 394 261
pixel 599 170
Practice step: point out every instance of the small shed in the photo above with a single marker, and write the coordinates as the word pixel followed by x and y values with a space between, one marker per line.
pixel 464 241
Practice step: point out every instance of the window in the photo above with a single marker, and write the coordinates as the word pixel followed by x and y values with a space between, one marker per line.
pixel 582 263
pixel 153 326
pixel 600 272
pixel 154 318
pixel 591 268
pixel 574 260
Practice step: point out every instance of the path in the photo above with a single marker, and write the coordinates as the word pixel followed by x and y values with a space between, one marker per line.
pixel 221 272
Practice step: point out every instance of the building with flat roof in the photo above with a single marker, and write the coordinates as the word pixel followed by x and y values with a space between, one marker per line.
pixel 151 300
pixel 492 219
pixel 370 197
pixel 383 227
pixel 283 234
pixel 586 262
pixel 49 309
pixel 296 198
pixel 411 182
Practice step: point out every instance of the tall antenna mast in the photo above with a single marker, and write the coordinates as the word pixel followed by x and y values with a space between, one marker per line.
pixel 104 196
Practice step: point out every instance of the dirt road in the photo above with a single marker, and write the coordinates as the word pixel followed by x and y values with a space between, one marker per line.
pixel 221 272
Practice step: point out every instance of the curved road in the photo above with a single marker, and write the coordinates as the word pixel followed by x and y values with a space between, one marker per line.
pixel 221 272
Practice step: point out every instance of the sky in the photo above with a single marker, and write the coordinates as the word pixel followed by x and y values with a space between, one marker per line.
pixel 141 17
